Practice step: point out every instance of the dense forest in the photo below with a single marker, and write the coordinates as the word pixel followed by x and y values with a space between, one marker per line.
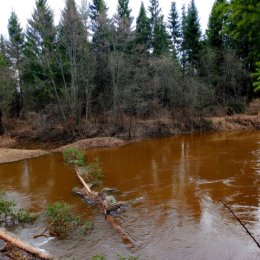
pixel 94 68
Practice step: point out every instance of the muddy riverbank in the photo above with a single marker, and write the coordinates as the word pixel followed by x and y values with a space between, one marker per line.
pixel 28 145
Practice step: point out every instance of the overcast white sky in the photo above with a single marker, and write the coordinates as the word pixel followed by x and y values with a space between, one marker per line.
pixel 24 9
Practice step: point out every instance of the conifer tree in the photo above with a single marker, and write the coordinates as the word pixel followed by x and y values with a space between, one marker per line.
pixel 123 9
pixel 174 27
pixel 217 21
pixel 98 14
pixel 142 28
pixel 123 21
pixel 6 81
pixel 159 39
pixel 101 43
pixel 15 47
pixel 191 35
pixel 243 28
pixel 183 42
pixel 40 63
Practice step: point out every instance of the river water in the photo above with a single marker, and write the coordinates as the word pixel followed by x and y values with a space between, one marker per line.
pixel 172 186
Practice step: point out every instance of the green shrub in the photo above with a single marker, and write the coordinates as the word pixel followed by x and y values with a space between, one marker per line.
pixel 74 156
pixel 11 215
pixel 95 172
pixel 61 218
pixel 92 173
pixel 24 216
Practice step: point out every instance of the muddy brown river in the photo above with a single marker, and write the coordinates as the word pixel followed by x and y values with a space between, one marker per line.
pixel 172 186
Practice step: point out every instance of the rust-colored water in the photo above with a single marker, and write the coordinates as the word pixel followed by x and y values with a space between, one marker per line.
pixel 173 186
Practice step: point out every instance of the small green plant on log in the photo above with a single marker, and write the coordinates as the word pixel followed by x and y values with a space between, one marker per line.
pixel 92 173
pixel 9 214
pixel 62 220
pixel 74 156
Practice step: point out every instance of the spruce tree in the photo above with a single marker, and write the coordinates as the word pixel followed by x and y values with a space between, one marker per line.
pixel 123 21
pixel 142 28
pixel 192 35
pixel 217 21
pixel 6 77
pixel 98 14
pixel 15 47
pixel 159 39
pixel 101 43
pixel 40 62
pixel 243 27
pixel 183 42
pixel 123 9
pixel 161 42
pixel 174 27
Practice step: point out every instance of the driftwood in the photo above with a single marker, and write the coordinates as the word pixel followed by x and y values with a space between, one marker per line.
pixel 9 238
pixel 241 223
pixel 104 209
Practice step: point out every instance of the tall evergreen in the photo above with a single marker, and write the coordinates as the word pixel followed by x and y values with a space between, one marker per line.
pixel 123 21
pixel 16 40
pixel 39 53
pixel 192 35
pixel 183 42
pixel 15 47
pixel 6 79
pixel 243 27
pixel 98 14
pixel 217 21
pixel 101 43
pixel 174 28
pixel 159 39
pixel 142 28
pixel 123 9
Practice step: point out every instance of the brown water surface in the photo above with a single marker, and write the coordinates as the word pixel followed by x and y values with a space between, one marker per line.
pixel 173 186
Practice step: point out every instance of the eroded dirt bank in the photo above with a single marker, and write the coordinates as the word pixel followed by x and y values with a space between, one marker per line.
pixel 141 130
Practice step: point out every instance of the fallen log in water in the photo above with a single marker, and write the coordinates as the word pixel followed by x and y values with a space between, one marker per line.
pixel 34 251
pixel 104 208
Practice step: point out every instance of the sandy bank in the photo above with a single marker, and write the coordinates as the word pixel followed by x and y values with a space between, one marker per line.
pixel 12 155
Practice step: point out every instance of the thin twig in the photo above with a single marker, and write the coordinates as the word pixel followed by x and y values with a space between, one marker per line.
pixel 241 223
pixel 42 234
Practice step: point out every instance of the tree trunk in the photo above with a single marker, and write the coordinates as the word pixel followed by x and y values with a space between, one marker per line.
pixel 104 210
pixel 9 238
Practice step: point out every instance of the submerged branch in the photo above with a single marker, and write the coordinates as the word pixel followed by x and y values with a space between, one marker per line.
pixel 241 223
pixel 104 210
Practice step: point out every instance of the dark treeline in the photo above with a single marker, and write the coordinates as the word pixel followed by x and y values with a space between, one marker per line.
pixel 93 67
